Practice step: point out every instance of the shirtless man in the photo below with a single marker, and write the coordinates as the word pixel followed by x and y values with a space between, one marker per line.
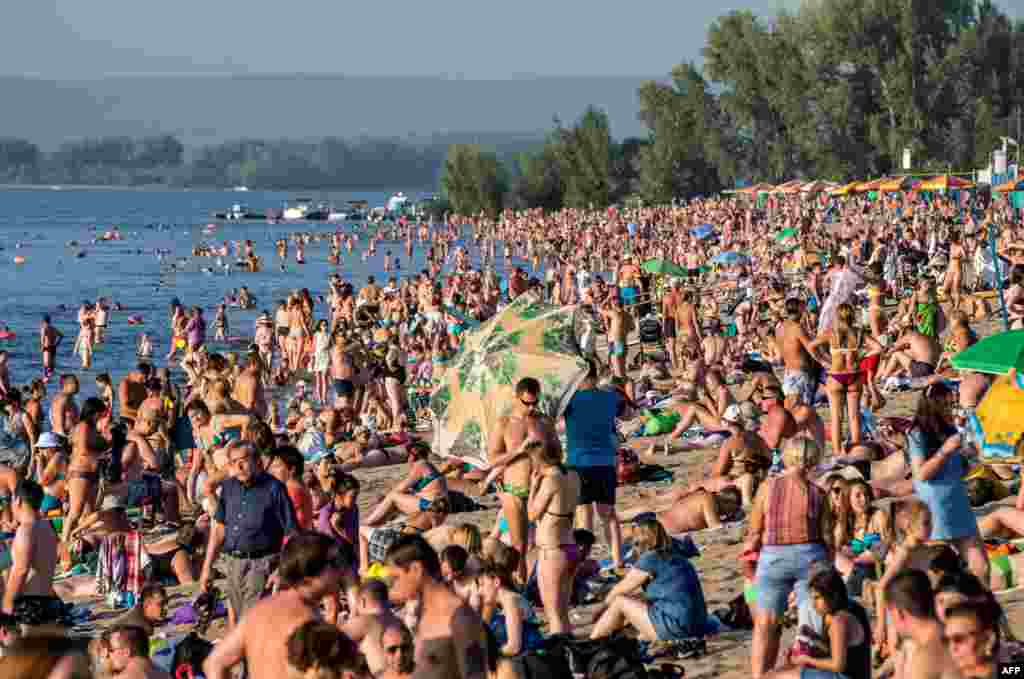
pixel 508 460
pixel 64 409
pixel 698 509
pixel 83 468
pixel 100 316
pixel 910 604
pixel 129 654
pixel 49 339
pixel 714 345
pixel 688 334
pixel 800 379
pixel 313 566
pixel 373 619
pixel 450 638
pixel 248 389
pixel 914 354
pixel 131 391
pixel 29 585
pixel 620 323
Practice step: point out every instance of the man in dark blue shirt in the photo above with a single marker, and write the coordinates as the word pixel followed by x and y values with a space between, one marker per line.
pixel 593 452
pixel 254 515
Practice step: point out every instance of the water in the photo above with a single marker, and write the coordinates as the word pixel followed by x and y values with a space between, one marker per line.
pixel 44 221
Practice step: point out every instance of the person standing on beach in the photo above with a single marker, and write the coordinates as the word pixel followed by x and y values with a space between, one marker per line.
pixel 508 459
pixel 83 478
pixel 313 566
pixel 64 409
pixel 49 339
pixel 451 642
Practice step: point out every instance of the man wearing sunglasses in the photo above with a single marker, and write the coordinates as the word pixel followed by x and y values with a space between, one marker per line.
pixel 512 464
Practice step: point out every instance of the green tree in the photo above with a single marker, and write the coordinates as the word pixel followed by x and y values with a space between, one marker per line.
pixel 584 155
pixel 472 180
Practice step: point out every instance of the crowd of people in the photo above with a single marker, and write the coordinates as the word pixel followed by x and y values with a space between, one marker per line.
pixel 245 469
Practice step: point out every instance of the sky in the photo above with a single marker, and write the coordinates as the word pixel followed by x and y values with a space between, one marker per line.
pixel 485 39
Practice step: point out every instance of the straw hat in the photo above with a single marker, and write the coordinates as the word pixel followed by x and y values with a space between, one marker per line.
pixel 801 453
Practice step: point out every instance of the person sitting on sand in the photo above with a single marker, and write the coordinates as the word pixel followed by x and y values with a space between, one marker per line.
pixel 671 606
pixel 422 496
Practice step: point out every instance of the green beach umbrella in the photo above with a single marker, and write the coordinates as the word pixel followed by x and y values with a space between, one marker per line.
pixel 664 267
pixel 995 354
pixel 784 234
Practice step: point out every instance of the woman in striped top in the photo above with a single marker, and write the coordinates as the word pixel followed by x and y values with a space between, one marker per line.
pixel 788 531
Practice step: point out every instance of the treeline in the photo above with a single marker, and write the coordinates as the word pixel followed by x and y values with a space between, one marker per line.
pixel 835 91
pixel 277 164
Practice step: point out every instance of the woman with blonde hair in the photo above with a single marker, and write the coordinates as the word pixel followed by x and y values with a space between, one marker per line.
pixel 660 596
pixel 789 530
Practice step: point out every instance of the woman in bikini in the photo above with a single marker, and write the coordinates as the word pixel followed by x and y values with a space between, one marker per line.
pixel 848 346
pixel 554 494
pixel 951 282
pixel 422 496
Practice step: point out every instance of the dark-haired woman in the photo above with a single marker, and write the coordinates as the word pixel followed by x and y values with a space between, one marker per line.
pixel 972 638
pixel 846 631
pixel 938 468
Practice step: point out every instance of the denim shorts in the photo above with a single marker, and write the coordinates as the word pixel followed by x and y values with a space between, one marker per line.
pixel 782 569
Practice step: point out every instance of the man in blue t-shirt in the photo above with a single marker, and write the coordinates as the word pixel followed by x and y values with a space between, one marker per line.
pixel 592 452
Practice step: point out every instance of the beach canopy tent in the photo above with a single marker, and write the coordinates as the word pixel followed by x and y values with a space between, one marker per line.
pixel 662 267
pixel 944 182
pixel 792 186
pixel 843 190
pixel 703 231
pixel 898 184
pixel 817 186
pixel 528 338
pixel 1010 186
pixel 869 186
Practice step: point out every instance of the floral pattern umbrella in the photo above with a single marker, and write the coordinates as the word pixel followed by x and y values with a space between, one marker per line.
pixel 528 338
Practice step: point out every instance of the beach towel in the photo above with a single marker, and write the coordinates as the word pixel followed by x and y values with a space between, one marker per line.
pixel 121 564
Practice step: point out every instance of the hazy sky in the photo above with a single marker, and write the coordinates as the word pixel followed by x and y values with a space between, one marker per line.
pixel 455 38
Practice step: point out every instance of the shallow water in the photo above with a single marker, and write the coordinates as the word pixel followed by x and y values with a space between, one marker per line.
pixel 42 222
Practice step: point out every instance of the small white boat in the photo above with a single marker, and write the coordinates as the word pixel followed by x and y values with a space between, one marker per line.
pixel 240 188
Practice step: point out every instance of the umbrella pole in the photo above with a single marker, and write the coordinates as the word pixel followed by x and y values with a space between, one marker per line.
pixel 998 277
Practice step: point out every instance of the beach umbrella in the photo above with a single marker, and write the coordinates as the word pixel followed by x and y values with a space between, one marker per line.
pixel 792 186
pixel 703 231
pixel 1010 186
pixel 528 338
pixel 998 421
pixel 995 354
pixel 728 258
pixel 662 267
pixel 944 182
pixel 869 186
pixel 785 233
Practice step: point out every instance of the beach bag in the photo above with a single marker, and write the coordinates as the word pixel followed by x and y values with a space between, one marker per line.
pixel 627 465
pixel 615 657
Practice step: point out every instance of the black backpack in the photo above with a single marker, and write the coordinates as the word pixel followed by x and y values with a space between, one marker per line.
pixel 615 657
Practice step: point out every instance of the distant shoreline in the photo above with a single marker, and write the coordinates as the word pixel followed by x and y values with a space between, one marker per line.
pixel 217 189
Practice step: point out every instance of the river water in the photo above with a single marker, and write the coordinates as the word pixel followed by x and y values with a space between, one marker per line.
pixel 39 225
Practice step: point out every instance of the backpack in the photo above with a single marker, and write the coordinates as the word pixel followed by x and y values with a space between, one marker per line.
pixel 614 657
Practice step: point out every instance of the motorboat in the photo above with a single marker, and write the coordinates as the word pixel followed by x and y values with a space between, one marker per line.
pixel 355 211
pixel 304 210
pixel 398 203
pixel 239 213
